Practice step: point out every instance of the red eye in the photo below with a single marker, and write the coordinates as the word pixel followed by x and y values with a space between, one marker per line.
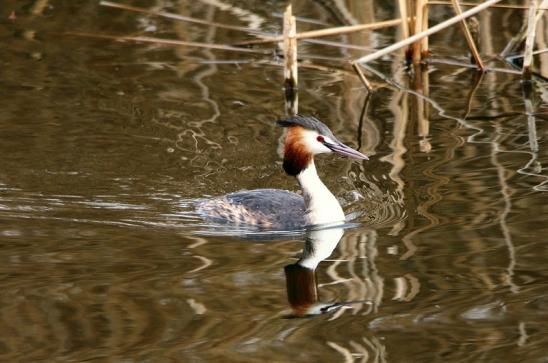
pixel 320 138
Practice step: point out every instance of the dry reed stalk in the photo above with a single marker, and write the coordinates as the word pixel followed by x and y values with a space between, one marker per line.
pixel 290 50
pixel 167 42
pixel 178 17
pixel 424 42
pixel 530 40
pixel 404 20
pixel 412 16
pixel 405 23
pixel 418 28
pixel 468 36
pixel 499 6
pixel 362 77
pixel 426 33
pixel 411 28
pixel 327 32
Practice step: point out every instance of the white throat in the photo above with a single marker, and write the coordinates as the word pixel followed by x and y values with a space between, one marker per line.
pixel 321 205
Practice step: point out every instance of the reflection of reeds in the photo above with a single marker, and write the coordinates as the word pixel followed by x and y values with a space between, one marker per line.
pixel 358 252
pixel 173 16
pixel 506 193
pixel 368 349
pixel 171 42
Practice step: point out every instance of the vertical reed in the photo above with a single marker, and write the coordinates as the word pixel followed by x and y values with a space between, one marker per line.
pixel 424 43
pixel 290 62
pixel 419 5
pixel 405 20
pixel 529 40
pixel 290 49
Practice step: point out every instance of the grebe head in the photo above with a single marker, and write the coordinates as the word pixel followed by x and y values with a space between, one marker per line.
pixel 306 137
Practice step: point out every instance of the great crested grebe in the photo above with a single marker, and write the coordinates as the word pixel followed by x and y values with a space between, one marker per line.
pixel 281 209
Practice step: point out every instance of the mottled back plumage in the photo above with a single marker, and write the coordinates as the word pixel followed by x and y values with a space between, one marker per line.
pixel 264 208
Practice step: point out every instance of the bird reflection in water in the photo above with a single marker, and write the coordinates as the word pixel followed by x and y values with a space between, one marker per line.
pixel 301 280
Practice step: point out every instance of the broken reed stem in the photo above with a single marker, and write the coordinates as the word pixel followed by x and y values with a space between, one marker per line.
pixel 468 36
pixel 530 40
pixel 426 33
pixel 361 76
pixel 167 42
pixel 498 6
pixel 290 50
pixel 326 32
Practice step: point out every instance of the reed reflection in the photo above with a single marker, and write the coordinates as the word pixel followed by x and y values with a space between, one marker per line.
pixel 301 279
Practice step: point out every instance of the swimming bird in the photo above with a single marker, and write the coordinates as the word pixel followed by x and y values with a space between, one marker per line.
pixel 281 209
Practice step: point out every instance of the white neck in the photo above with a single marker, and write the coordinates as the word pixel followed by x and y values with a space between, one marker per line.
pixel 321 205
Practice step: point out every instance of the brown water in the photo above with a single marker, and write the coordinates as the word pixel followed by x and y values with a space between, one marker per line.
pixel 105 146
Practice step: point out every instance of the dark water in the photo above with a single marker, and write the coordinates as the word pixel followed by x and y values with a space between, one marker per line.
pixel 105 146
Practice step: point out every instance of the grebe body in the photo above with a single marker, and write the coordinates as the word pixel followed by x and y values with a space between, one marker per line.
pixel 281 209
pixel 264 208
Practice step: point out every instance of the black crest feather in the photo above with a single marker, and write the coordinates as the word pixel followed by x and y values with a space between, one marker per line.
pixel 307 122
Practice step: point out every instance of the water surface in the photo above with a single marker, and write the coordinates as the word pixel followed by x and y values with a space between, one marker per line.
pixel 105 146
